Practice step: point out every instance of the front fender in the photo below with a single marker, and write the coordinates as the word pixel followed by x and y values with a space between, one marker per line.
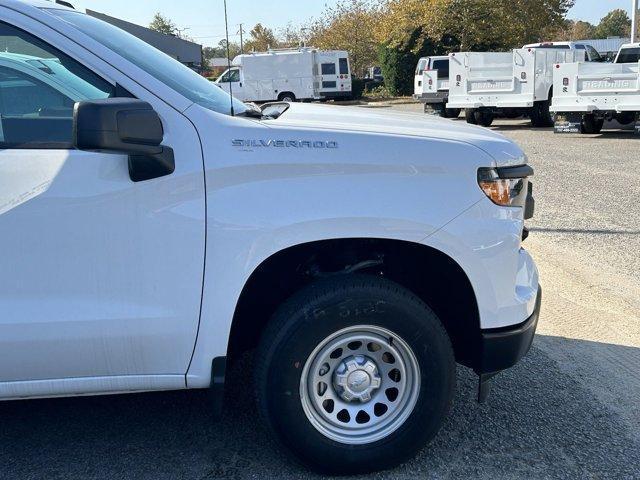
pixel 263 200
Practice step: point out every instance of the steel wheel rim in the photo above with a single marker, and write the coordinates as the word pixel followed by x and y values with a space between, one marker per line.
pixel 367 371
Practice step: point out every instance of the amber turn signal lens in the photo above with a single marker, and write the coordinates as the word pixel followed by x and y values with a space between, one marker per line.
pixel 499 191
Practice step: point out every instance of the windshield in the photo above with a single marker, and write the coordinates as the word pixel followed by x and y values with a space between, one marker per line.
pixel 161 66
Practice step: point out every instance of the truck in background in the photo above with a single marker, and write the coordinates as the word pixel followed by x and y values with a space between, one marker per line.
pixel 289 75
pixel 517 82
pixel 589 94
pixel 431 86
pixel 592 55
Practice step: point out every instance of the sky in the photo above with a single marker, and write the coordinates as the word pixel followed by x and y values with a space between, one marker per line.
pixel 204 19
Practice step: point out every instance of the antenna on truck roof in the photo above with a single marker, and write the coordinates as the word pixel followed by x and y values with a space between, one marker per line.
pixel 226 26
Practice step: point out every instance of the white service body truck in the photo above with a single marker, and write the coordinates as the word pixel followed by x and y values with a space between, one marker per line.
pixel 514 82
pixel 431 86
pixel 289 75
pixel 153 229
pixel 591 54
pixel 588 94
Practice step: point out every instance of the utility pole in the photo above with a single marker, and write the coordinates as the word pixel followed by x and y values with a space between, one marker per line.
pixel 241 33
pixel 634 21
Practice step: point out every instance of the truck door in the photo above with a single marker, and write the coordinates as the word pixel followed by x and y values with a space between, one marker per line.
pixel 231 82
pixel 100 277
pixel 329 77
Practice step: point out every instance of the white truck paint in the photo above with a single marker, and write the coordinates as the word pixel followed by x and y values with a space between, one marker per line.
pixel 288 75
pixel 591 53
pixel 130 257
pixel 482 83
pixel 588 94
pixel 431 86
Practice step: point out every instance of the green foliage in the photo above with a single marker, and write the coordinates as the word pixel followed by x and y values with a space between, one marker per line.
pixel 615 24
pixel 357 87
pixel 261 39
pixel 399 62
pixel 162 24
pixel 380 92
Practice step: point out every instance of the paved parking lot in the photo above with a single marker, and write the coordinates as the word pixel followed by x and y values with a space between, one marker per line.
pixel 569 410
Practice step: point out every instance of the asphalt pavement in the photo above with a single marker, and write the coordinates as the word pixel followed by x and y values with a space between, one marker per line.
pixel 570 409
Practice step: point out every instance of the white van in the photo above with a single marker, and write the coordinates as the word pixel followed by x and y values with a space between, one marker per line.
pixel 289 75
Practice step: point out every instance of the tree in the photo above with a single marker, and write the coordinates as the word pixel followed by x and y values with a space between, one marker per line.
pixel 615 24
pixel 583 31
pixel 350 25
pixel 221 50
pixel 399 62
pixel 261 39
pixel 571 30
pixel 162 24
pixel 471 25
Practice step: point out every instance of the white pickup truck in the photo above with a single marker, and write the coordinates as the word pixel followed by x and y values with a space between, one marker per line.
pixel 154 229
pixel 431 86
pixel 517 82
pixel 588 94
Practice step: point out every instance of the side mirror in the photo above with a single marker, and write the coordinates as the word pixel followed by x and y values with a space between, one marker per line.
pixel 124 125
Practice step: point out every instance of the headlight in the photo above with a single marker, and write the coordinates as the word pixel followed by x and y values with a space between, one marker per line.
pixel 507 186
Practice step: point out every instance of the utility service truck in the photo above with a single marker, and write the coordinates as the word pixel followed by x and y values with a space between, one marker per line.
pixel 289 75
pixel 589 94
pixel 154 229
pixel 591 53
pixel 514 83
pixel 431 86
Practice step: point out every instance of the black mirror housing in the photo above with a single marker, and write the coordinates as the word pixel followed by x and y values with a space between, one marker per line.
pixel 124 125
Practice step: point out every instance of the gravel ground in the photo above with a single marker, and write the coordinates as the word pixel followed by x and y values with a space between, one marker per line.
pixel 568 410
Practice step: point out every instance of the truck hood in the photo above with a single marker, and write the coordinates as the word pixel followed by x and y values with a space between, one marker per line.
pixel 384 121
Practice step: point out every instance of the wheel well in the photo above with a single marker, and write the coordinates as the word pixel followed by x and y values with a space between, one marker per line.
pixel 285 94
pixel 431 275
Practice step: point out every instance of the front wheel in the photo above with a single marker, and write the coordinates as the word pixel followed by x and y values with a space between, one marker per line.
pixel 354 374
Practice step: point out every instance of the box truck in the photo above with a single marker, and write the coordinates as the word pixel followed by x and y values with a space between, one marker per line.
pixel 290 75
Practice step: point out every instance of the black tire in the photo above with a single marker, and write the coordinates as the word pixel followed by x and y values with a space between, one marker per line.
pixel 592 125
pixel 304 322
pixel 625 118
pixel 286 97
pixel 541 116
pixel 451 112
pixel 485 117
pixel 470 116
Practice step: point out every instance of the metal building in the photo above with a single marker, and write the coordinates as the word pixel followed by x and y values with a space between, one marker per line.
pixel 607 47
pixel 184 51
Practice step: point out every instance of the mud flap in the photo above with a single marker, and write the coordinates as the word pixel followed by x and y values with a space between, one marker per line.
pixel 568 123
pixel 484 386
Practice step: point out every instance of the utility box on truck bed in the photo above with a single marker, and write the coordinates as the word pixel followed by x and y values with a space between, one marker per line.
pixel 483 83
pixel 588 94
pixel 431 86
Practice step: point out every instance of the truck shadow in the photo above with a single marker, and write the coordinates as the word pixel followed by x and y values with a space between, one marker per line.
pixel 538 422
